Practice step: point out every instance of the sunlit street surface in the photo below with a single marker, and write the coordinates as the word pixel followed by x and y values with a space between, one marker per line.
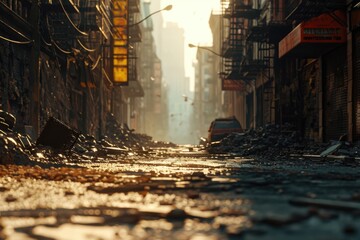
pixel 182 194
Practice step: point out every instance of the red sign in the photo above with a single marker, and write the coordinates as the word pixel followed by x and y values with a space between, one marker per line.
pixel 292 40
pixel 232 85
pixel 326 28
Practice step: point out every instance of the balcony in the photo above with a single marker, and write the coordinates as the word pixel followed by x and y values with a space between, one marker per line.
pixel 232 67
pixel 258 34
pixel 57 6
pixel 238 9
pixel 251 67
pixel 60 29
pixel 134 6
pixel 132 59
pixel 133 75
pixel 90 18
pixel 305 9
pixel 232 48
pixel 17 7
pixel 19 27
pixel 271 32
pixel 94 15
pixel 233 45
pixel 135 34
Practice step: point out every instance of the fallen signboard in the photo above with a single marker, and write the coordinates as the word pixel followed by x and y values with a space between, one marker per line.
pixel 57 135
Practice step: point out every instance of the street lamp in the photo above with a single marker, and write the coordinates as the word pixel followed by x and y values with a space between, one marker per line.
pixel 167 8
pixel 205 48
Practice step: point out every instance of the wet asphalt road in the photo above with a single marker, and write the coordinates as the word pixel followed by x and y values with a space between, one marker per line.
pixel 182 195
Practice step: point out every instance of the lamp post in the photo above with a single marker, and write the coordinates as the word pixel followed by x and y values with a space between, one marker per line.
pixel 167 8
pixel 202 106
pixel 205 48
pixel 134 33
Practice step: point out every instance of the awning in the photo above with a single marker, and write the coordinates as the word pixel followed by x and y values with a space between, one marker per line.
pixel 234 74
pixel 315 37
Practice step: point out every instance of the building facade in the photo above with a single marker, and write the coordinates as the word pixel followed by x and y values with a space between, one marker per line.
pixel 298 63
pixel 205 99
pixel 171 52
pixel 153 108
pixel 58 59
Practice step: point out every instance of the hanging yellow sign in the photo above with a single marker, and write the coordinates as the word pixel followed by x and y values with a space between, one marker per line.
pixel 120 54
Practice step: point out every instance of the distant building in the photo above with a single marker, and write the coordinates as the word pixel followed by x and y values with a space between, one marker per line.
pixel 152 113
pixel 171 53
pixel 204 95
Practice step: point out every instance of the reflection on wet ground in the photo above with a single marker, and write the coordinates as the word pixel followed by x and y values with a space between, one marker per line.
pixel 182 197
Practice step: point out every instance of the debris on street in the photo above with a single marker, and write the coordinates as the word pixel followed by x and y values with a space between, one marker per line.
pixel 12 144
pixel 59 143
pixel 180 198
pixel 7 121
pixel 259 184
pixel 283 142
pixel 57 135
pixel 123 136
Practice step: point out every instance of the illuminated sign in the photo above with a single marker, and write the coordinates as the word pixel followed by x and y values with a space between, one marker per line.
pixel 324 29
pixel 120 54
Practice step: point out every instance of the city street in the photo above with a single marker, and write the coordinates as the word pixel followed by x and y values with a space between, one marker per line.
pixel 182 193
pixel 180 120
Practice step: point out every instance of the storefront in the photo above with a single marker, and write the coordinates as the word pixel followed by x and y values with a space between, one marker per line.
pixel 319 44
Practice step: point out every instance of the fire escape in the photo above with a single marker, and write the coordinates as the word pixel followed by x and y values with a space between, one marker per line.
pixel 94 21
pixel 78 27
pixel 17 12
pixel 60 25
pixel 250 46
pixel 264 36
pixel 135 36
pixel 76 35
pixel 238 15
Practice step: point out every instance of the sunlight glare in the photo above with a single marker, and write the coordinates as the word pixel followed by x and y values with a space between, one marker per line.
pixel 193 16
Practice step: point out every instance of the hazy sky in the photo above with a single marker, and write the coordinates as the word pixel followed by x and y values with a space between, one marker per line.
pixel 193 16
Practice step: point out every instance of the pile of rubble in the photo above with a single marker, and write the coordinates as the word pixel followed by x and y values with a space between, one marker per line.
pixel 122 135
pixel 13 145
pixel 274 141
pixel 58 143
pixel 261 141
